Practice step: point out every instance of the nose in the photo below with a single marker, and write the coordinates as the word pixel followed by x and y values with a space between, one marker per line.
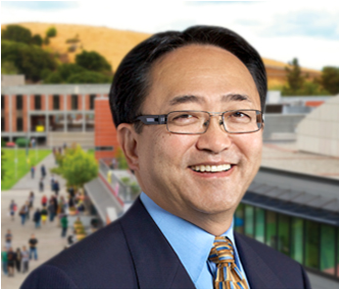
pixel 215 139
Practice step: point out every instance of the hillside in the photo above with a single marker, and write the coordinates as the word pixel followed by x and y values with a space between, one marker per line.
pixel 113 44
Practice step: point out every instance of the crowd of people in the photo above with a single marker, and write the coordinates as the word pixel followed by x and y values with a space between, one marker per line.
pixel 50 208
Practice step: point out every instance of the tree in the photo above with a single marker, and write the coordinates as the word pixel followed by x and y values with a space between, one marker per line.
pixel 63 73
pixel 330 79
pixel 51 32
pixel 37 40
pixel 294 77
pixel 78 167
pixel 30 60
pixel 88 77
pixel 8 68
pixel 16 33
pixel 93 61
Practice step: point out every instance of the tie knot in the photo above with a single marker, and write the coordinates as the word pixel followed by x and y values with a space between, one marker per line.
pixel 222 251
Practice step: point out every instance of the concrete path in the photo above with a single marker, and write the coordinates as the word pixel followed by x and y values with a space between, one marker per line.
pixel 49 235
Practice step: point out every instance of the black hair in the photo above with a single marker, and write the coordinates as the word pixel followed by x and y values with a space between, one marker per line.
pixel 131 81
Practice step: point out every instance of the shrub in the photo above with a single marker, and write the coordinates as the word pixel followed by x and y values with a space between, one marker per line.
pixel 22 142
pixel 51 32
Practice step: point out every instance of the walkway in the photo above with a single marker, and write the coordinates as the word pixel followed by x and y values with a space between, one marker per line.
pixel 50 241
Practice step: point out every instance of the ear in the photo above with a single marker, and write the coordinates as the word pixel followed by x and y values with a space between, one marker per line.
pixel 126 136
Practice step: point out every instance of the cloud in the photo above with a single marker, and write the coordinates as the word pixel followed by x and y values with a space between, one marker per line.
pixel 305 23
pixel 39 5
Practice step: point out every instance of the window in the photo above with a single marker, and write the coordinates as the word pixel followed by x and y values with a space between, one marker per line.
pixel 92 97
pixel 271 229
pixel 19 102
pixel 104 148
pixel 37 102
pixel 249 224
pixel 297 240
pixel 283 236
pixel 259 224
pixel 20 124
pixel 2 124
pixel 2 102
pixel 239 219
pixel 312 245
pixel 74 102
pixel 328 252
pixel 56 102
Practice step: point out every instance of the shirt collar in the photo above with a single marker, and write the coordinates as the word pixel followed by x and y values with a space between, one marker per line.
pixel 191 243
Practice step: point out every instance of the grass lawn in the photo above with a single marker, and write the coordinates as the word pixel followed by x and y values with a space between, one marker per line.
pixel 23 167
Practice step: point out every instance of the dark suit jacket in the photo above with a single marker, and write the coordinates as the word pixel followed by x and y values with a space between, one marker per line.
pixel 133 253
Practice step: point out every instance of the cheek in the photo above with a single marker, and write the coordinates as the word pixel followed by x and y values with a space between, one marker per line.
pixel 251 146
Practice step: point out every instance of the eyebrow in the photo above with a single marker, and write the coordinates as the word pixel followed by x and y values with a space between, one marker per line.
pixel 199 100
pixel 235 97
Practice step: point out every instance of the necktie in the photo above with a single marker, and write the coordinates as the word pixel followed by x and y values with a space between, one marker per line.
pixel 228 276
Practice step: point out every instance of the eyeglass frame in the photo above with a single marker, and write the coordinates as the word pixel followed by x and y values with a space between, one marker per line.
pixel 162 120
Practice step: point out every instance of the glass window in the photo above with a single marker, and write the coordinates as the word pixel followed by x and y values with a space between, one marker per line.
pixel 74 102
pixel 92 97
pixel 283 236
pixel 249 221
pixel 239 219
pixel 37 102
pixel 56 102
pixel 312 245
pixel 19 102
pixel 327 247
pixel 271 229
pixel 297 240
pixel 2 124
pixel 19 124
pixel 259 224
pixel 2 102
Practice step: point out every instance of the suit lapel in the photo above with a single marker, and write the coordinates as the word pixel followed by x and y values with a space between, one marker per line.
pixel 156 263
pixel 259 275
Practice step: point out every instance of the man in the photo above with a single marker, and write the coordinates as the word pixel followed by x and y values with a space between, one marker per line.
pixel 32 242
pixel 8 239
pixel 188 110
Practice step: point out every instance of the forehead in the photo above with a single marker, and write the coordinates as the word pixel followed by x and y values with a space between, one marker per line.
pixel 203 70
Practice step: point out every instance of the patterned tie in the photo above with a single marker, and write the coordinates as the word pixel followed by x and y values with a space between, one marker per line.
pixel 228 276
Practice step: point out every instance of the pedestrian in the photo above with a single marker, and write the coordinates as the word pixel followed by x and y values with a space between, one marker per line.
pixel 32 171
pixel 43 171
pixel 44 200
pixel 41 185
pixel 64 225
pixel 56 187
pixel 37 218
pixel 23 214
pixel 4 261
pixel 11 257
pixel 25 259
pixel 8 239
pixel 51 210
pixel 44 214
pixel 31 199
pixel 71 239
pixel 52 182
pixel 18 258
pixel 33 247
pixel 27 208
pixel 12 209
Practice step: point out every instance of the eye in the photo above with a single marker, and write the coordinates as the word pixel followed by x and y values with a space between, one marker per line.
pixel 239 116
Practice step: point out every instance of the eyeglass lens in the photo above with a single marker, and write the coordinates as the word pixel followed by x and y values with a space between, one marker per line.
pixel 191 122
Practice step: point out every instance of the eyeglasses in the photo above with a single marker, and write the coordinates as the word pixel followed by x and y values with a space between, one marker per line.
pixel 197 122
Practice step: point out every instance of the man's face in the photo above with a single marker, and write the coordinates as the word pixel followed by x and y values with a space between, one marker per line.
pixel 166 161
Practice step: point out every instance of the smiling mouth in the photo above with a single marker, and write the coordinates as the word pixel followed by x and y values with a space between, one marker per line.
pixel 211 168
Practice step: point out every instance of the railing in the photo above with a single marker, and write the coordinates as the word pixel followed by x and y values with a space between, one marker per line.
pixel 126 193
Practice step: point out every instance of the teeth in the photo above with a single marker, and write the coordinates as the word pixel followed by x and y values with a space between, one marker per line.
pixel 211 168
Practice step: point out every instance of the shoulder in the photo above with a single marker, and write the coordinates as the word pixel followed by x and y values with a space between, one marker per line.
pixel 260 258
pixel 101 260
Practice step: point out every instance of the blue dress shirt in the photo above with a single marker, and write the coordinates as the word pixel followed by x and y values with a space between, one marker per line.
pixel 191 244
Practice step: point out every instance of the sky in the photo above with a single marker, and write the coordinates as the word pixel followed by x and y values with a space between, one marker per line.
pixel 278 29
